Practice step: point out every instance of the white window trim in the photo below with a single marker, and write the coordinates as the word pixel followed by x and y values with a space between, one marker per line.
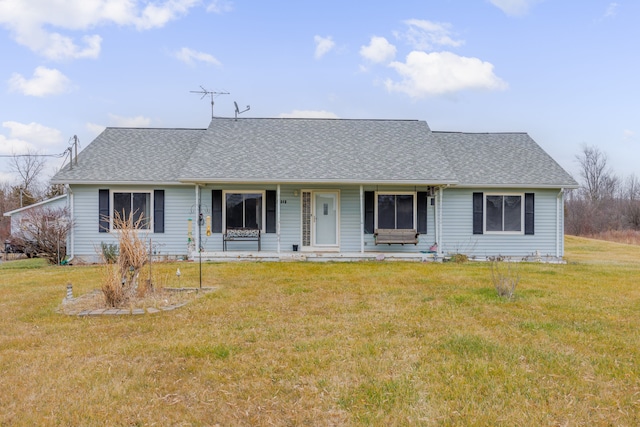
pixel 397 193
pixel 484 214
pixel 129 190
pixel 264 207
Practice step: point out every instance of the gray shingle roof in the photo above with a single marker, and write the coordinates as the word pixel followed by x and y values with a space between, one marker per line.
pixel 501 159
pixel 129 155
pixel 314 150
pixel 318 150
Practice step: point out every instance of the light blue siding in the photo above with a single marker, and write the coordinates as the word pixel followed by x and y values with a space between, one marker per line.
pixel 457 221
pixel 179 202
pixel 457 227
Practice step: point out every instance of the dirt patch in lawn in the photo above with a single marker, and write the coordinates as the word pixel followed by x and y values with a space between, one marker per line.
pixel 158 300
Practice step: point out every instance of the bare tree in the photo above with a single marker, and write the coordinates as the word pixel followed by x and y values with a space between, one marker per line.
pixel 28 167
pixel 598 180
pixel 631 205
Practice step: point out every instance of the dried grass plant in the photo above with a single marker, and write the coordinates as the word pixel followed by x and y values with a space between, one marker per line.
pixel 121 282
pixel 505 276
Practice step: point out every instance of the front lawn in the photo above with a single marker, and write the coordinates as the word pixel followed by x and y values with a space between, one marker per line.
pixel 372 343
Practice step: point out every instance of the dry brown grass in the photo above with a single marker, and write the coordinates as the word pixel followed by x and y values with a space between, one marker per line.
pixel 333 344
pixel 629 237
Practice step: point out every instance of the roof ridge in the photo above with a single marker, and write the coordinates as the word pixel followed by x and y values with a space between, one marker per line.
pixel 151 128
pixel 482 133
pixel 317 118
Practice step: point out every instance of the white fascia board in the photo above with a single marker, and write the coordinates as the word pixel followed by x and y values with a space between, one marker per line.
pixel 35 205
pixel 128 183
pixel 531 186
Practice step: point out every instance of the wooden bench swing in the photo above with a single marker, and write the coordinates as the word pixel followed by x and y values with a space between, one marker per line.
pixel 391 236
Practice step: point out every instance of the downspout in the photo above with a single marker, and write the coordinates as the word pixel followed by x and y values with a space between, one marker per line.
pixel 71 236
pixel 278 216
pixel 559 228
pixel 361 219
pixel 436 222
pixel 440 201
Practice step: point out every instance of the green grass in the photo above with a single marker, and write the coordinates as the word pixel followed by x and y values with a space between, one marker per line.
pixel 332 344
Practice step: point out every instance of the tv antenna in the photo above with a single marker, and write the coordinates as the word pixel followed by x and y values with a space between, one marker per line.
pixel 238 110
pixel 205 92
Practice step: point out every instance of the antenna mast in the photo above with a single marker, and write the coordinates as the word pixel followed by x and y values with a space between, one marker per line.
pixel 206 92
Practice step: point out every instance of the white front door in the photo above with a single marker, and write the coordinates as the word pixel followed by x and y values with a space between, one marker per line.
pixel 321 213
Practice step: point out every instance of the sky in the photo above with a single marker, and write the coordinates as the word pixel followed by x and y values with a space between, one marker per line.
pixel 565 72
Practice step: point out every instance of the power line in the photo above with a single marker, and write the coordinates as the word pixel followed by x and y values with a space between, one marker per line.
pixel 34 155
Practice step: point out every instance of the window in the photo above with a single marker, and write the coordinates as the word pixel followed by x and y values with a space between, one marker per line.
pixel 503 213
pixel 244 210
pixel 395 211
pixel 138 204
pixel 125 202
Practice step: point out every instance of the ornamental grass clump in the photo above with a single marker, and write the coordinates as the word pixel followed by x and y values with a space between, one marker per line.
pixel 505 276
pixel 121 280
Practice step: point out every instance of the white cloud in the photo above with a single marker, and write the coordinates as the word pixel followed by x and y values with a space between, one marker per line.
pixel 323 46
pixel 130 122
pixel 437 73
pixel 10 146
pixel 612 10
pixel 308 114
pixel 379 50
pixel 220 6
pixel 28 136
pixel 514 7
pixel 45 81
pixel 38 24
pixel 190 56
pixel 628 135
pixel 427 35
pixel 95 129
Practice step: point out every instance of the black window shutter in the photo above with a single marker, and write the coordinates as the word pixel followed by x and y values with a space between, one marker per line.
pixel 216 211
pixel 529 213
pixel 423 198
pixel 369 211
pixel 158 211
pixel 103 211
pixel 478 212
pixel 271 211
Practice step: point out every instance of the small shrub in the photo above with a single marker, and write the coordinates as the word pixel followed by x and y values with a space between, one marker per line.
pixel 505 276
pixel 459 258
pixel 109 252
pixel 43 233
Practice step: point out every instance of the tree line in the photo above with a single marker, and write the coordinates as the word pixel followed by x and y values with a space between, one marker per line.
pixel 605 201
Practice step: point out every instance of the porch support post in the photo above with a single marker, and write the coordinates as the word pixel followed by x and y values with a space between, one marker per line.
pixel 197 219
pixel 278 216
pixel 361 219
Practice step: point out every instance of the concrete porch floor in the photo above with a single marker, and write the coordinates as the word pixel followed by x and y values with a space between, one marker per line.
pixel 314 256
